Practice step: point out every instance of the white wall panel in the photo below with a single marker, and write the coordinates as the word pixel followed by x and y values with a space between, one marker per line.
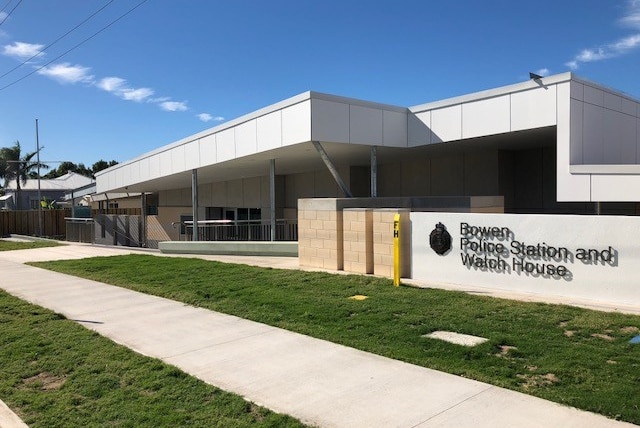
pixel 419 129
pixel 145 169
pixel 620 138
pixel 330 121
pixel 577 111
pixel 165 162
pixel 269 131
pixel 154 166
pixel 615 188
pixel 446 124
pixel 178 159
pixel 577 91
pixel 365 125
pixel 119 177
pixel 533 109
pixel 111 179
pixel 296 126
pixel 593 134
pixel 394 129
pixel 612 101
pixel 593 96
pixel 208 150
pixel 486 117
pixel 192 155
pixel 134 169
pixel 246 138
pixel 225 145
pixel 569 187
pixel 638 141
pixel 629 107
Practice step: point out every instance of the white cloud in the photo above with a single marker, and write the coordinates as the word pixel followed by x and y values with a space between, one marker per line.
pixel 617 48
pixel 612 50
pixel 117 86
pixel 137 95
pixel 632 17
pixel 67 73
pixel 206 117
pixel 22 51
pixel 173 106
pixel 111 84
pixel 543 72
pixel 3 16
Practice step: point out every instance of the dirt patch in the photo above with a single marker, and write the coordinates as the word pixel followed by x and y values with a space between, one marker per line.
pixel 612 362
pixel 603 337
pixel 504 351
pixel 45 381
pixel 569 333
pixel 630 330
pixel 537 381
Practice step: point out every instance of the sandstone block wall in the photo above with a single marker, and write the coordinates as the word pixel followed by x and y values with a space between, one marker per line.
pixel 357 229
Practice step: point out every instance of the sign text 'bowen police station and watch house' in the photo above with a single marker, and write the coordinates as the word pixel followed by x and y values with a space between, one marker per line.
pixel 580 256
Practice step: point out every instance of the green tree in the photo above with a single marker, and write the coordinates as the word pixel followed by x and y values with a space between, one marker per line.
pixel 101 164
pixel 68 166
pixel 18 167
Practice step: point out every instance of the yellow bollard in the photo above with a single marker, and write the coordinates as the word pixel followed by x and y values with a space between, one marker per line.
pixel 396 250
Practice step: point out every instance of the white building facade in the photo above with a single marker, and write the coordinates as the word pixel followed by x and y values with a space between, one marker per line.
pixel 556 145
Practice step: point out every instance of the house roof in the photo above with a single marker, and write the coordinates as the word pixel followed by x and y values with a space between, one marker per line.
pixel 69 181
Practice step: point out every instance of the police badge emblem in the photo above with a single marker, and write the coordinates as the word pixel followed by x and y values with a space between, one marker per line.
pixel 440 239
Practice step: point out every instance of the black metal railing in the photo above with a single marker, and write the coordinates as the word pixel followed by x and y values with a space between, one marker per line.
pixel 239 230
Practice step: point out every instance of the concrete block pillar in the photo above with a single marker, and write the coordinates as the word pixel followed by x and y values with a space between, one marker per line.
pixel 357 229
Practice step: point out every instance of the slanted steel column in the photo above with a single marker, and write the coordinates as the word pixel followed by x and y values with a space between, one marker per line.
pixel 194 202
pixel 374 172
pixel 272 197
pixel 332 169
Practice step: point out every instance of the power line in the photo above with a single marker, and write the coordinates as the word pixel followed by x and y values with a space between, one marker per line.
pixel 76 46
pixel 58 39
pixel 11 11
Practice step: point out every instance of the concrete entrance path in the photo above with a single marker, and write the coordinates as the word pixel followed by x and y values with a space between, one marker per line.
pixel 319 382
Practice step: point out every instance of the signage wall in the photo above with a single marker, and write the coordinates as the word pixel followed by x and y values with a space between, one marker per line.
pixel 587 257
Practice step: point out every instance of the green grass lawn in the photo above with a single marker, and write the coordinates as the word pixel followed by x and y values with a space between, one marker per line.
pixel 56 373
pixel 14 245
pixel 569 355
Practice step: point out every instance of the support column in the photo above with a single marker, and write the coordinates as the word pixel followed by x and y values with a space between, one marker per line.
pixel 194 203
pixel 143 222
pixel 374 172
pixel 272 197
pixel 332 169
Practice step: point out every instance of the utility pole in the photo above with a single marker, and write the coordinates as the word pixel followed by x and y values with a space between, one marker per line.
pixel 39 191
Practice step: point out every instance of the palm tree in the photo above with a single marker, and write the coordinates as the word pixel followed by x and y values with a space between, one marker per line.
pixel 14 166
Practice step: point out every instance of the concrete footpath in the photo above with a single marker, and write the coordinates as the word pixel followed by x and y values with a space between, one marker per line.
pixel 319 382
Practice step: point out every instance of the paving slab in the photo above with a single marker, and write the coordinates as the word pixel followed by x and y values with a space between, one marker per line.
pixel 319 382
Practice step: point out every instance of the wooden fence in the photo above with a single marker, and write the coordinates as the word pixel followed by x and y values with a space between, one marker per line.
pixel 26 223
pixel 53 221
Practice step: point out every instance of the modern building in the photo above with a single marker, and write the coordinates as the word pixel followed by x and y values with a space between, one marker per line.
pixel 554 145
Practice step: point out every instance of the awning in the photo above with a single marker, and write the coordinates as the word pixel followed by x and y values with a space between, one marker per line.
pixel 5 197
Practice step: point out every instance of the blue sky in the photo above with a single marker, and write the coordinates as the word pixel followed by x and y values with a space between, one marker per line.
pixel 168 69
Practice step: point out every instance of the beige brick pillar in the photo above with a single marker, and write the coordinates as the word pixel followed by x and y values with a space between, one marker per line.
pixel 320 242
pixel 358 240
